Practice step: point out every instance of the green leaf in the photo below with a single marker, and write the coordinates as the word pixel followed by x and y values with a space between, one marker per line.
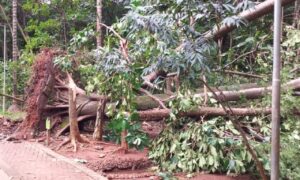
pixel 210 160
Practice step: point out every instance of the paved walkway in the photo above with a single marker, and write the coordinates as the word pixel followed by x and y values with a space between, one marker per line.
pixel 31 161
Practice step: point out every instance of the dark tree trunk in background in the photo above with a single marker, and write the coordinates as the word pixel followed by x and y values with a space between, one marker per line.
pixel 98 24
pixel 297 14
pixel 15 48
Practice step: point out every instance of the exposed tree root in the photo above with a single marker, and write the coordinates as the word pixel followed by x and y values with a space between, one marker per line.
pixel 38 92
pixel 66 141
pixel 79 139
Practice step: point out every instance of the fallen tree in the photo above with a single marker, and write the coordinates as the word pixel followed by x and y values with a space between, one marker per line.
pixel 158 114
pixel 88 106
pixel 251 93
pixel 48 96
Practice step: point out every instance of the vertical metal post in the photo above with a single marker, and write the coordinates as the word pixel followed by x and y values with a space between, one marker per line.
pixel 4 68
pixel 275 148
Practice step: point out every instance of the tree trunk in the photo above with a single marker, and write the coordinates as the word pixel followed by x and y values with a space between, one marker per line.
pixel 297 14
pixel 159 114
pixel 98 132
pixel 253 13
pixel 98 25
pixel 74 130
pixel 15 46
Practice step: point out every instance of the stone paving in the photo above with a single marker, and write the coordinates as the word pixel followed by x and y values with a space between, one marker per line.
pixel 31 161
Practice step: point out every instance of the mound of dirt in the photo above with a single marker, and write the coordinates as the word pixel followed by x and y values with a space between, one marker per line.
pixel 132 160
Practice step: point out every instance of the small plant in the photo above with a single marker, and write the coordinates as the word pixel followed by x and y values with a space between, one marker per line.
pixel 135 137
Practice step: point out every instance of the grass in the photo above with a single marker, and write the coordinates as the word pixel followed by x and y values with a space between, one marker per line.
pixel 15 116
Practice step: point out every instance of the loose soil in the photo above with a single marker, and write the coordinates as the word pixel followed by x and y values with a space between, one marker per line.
pixel 107 158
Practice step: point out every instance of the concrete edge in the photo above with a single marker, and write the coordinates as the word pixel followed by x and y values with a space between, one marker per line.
pixel 86 170
pixel 8 171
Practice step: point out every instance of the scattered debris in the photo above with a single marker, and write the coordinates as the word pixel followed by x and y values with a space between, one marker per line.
pixel 82 161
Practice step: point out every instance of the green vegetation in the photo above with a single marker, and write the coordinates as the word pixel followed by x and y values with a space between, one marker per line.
pixel 15 116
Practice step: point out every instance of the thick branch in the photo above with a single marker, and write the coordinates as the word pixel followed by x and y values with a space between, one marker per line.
pixel 253 13
pixel 153 97
pixel 252 93
pixel 242 74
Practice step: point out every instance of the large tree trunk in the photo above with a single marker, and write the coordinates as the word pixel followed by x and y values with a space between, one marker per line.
pixel 15 50
pixel 159 114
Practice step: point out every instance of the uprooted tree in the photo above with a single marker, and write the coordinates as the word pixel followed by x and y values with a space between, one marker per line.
pixel 155 65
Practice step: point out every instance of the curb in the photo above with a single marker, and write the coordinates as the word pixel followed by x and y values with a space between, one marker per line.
pixel 6 172
pixel 83 169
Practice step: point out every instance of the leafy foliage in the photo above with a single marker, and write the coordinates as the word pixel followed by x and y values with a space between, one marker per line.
pixel 210 146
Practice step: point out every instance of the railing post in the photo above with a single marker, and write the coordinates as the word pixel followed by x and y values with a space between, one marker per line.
pixel 275 148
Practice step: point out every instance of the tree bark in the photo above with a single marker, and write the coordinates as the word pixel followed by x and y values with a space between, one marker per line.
pixel 98 24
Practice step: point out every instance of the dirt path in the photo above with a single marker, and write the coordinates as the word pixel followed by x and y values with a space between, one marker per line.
pixel 30 161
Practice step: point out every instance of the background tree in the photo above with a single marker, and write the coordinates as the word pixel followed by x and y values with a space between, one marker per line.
pixel 15 52
pixel 98 24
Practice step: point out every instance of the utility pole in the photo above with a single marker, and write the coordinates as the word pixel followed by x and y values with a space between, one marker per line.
pixel 275 148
